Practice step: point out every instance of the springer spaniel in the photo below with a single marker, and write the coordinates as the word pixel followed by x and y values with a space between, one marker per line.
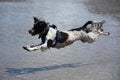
pixel 53 38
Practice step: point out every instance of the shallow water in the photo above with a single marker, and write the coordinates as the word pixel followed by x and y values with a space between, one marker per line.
pixel 79 61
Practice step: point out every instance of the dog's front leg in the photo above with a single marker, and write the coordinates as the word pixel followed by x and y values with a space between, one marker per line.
pixel 30 48
pixel 42 47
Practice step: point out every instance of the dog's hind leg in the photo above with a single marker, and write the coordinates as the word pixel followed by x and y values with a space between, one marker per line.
pixel 98 24
pixel 104 33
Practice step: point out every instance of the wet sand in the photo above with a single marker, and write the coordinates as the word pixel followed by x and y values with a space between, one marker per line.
pixel 80 61
pixel 110 7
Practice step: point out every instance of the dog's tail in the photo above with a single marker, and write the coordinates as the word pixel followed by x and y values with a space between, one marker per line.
pixel 86 24
pixel 84 27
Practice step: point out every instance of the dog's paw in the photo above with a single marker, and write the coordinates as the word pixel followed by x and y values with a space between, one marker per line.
pixel 26 48
pixel 108 33
pixel 30 48
pixel 43 49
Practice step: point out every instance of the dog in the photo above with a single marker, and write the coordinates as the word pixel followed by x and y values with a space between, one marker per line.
pixel 53 38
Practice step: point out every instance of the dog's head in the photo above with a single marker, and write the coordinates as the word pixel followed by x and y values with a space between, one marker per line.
pixel 38 27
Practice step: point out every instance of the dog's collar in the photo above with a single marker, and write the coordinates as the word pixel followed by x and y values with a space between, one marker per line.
pixel 57 38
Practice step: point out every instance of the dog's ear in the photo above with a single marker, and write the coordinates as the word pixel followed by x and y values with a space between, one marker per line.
pixel 35 19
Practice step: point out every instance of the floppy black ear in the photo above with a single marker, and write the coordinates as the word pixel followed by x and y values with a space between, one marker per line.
pixel 35 19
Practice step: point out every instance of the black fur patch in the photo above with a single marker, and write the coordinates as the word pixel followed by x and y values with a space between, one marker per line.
pixel 84 27
pixel 50 43
pixel 62 37
pixel 38 27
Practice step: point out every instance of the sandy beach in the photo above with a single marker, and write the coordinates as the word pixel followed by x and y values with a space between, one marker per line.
pixel 79 61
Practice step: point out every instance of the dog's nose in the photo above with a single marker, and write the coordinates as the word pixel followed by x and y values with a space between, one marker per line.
pixel 31 31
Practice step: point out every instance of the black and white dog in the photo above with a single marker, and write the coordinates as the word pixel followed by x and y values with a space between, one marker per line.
pixel 53 38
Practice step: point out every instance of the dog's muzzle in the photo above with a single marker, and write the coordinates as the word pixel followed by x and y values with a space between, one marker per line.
pixel 32 32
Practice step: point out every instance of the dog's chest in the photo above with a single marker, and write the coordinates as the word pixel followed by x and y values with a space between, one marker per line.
pixel 51 34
